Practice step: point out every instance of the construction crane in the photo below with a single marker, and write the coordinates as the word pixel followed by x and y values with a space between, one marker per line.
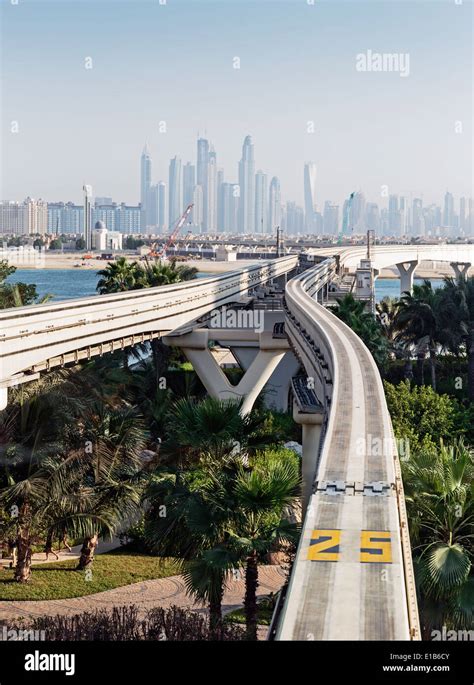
pixel 173 235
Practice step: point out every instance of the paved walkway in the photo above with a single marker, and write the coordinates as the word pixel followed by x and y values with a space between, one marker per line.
pixel 64 555
pixel 163 592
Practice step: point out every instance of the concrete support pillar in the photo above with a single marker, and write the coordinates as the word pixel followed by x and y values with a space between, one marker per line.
pixel 460 269
pixel 312 427
pixel 407 272
pixel 249 387
pixel 195 346
pixel 280 281
pixel 3 398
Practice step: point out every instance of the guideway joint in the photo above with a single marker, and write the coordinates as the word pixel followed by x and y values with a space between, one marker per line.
pixel 368 489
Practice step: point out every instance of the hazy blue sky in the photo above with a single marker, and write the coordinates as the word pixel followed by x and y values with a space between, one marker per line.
pixel 174 62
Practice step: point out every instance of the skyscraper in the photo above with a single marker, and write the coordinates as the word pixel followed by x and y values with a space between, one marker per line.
pixel 198 207
pixel 211 225
pixel 358 212
pixel 462 214
pixel 372 216
pixel 161 207
pixel 261 206
pixel 404 216
pixel 189 181
pixel 331 218
pixel 394 223
pixel 294 219
pixel 229 208
pixel 175 192
pixel 247 188
pixel 145 185
pixel 448 213
pixel 274 206
pixel 418 222
pixel 152 208
pixel 309 195
pixel 87 217
pixel 203 175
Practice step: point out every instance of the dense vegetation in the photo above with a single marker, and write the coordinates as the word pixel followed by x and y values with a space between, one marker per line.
pixel 125 624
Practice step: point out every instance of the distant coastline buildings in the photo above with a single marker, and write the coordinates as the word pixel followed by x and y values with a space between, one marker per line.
pixel 248 203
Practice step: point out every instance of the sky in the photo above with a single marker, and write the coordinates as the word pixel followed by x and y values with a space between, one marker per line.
pixel 64 123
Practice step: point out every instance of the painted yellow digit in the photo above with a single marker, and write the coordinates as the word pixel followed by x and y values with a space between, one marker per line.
pixel 375 547
pixel 324 545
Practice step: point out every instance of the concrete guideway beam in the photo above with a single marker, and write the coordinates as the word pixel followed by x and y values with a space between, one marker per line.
pixel 407 272
pixel 461 269
pixel 195 346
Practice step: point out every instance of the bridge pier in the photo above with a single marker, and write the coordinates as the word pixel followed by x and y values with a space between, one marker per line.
pixel 195 346
pixel 461 269
pixel 407 272
pixel 3 398
pixel 312 425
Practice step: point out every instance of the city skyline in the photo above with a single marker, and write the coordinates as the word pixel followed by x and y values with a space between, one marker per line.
pixel 370 129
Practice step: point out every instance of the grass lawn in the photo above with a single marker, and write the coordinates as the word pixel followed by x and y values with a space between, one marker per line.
pixel 264 615
pixel 60 581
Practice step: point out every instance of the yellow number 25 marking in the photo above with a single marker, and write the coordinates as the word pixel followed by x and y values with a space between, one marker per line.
pixel 375 547
pixel 324 545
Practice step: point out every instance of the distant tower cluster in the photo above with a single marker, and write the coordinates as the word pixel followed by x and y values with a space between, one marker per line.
pixel 252 204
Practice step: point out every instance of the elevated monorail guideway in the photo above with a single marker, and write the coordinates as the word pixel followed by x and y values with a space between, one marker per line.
pixel 353 577
pixel 40 337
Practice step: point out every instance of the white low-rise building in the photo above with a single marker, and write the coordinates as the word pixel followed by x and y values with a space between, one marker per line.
pixel 104 240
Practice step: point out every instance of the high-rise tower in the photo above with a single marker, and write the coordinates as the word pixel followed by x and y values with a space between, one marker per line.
pixel 261 205
pixel 203 175
pixel 175 192
pixel 309 195
pixel 448 213
pixel 87 217
pixel 145 185
pixel 274 205
pixel 247 188
pixel 212 192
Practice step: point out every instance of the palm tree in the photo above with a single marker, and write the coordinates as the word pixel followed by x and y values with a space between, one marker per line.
pixel 417 323
pixel 212 427
pixel 354 313
pixel 220 515
pixel 438 488
pixel 196 507
pixel 262 493
pixel 457 309
pixel 48 500
pixel 117 437
pixel 17 294
pixel 158 273
pixel 119 276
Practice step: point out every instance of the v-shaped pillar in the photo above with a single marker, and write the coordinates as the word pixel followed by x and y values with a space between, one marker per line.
pixel 195 346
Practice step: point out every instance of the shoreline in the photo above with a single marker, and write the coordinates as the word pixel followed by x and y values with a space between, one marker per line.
pixel 74 262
